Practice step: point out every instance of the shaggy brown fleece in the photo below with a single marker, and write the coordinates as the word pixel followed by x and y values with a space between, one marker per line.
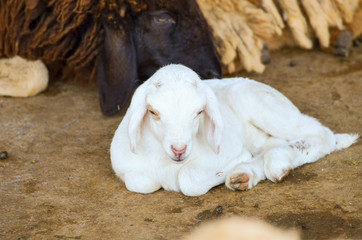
pixel 65 32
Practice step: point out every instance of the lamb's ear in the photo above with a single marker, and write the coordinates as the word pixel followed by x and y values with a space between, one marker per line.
pixel 136 113
pixel 117 68
pixel 213 120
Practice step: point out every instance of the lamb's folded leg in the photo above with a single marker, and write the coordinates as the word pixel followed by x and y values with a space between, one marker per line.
pixel 22 78
pixel 246 175
pixel 197 178
pixel 140 183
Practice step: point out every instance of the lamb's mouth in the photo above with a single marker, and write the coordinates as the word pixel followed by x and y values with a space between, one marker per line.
pixel 179 160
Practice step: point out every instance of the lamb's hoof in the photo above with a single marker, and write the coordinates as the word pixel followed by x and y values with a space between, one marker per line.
pixel 281 177
pixel 239 181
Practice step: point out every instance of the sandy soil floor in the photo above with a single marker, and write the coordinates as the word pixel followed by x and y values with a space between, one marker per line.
pixel 57 182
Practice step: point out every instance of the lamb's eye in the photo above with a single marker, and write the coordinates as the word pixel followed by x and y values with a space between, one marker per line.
pixel 154 113
pixel 200 112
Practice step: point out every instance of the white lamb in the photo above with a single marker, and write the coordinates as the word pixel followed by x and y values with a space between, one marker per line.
pixel 187 135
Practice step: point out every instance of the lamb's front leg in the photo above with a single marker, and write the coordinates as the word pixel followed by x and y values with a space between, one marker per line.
pixel 196 181
pixel 246 175
pixel 140 183
pixel 197 178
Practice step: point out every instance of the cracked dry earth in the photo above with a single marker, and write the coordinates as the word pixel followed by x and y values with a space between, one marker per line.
pixel 57 182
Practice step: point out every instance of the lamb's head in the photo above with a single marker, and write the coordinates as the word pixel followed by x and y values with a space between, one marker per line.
pixel 173 104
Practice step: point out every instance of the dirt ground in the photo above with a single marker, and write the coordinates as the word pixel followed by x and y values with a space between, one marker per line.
pixel 57 182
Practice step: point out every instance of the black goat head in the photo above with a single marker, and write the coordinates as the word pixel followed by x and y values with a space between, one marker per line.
pixel 139 40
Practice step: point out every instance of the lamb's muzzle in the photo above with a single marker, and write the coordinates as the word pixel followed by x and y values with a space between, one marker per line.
pixel 179 150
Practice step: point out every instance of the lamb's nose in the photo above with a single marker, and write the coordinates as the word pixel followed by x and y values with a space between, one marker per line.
pixel 178 150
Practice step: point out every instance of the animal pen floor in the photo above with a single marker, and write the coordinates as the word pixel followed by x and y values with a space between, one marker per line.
pixel 57 182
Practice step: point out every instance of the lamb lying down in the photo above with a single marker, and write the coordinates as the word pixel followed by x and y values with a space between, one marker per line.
pixel 187 135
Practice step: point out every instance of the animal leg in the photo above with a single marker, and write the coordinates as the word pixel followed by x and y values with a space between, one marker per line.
pixel 22 78
pixel 196 179
pixel 278 162
pixel 246 175
pixel 138 182
pixel 342 43
pixel 280 156
pixel 238 181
